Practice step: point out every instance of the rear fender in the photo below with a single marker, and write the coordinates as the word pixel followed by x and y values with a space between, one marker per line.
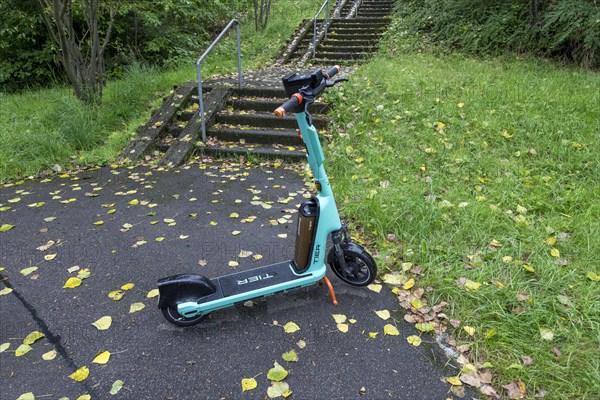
pixel 183 288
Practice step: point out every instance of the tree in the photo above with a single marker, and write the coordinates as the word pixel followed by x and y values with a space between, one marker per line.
pixel 261 14
pixel 81 50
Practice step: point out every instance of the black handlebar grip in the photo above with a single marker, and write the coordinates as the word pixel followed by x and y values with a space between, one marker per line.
pixel 289 104
pixel 332 71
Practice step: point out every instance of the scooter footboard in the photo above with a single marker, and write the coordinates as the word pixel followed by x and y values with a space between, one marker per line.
pixel 182 288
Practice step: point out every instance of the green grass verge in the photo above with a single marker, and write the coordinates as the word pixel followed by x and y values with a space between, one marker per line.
pixel 41 128
pixel 486 170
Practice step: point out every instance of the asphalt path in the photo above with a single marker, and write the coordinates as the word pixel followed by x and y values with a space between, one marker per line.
pixel 140 224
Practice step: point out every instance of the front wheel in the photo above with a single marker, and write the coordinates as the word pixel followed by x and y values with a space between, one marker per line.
pixel 172 315
pixel 360 269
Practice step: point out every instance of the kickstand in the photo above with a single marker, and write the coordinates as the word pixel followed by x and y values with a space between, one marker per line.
pixel 331 291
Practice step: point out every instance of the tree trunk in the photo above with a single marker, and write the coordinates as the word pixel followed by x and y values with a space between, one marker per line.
pixel 85 73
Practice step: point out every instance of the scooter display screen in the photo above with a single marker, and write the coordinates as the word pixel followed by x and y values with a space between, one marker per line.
pixel 297 80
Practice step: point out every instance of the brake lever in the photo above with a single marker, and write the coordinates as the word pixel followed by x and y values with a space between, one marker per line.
pixel 332 83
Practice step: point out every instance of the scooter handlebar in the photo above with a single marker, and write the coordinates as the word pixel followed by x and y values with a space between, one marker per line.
pixel 331 72
pixel 288 105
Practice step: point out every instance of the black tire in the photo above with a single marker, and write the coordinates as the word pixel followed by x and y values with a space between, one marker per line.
pixel 172 315
pixel 360 270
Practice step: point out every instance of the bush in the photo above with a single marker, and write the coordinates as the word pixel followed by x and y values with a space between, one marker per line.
pixel 563 29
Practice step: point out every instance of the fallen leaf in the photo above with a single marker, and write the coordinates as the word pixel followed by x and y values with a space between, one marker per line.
pixel 136 307
pixel 235 233
pixel 244 254
pixel 472 285
pixel 373 335
pixel 81 374
pixel 301 344
pixel 425 326
pixel 393 279
pixel 470 330
pixel 278 389
pixel 277 373
pixel 249 384
pixel 555 253
pixel 454 381
pixel 339 318
pixel 383 314
pixel 98 223
pixel 102 358
pixel 342 327
pixel 103 323
pixel 6 227
pixel 51 355
pixel 414 340
pixel 46 246
pixel 27 271
pixel 26 396
pixel 546 333
pixel 72 283
pixel 291 327
pixel 127 286
pixel 4 346
pixel 5 291
pixel 409 284
pixel 375 287
pixel 233 264
pixel 49 257
pixel 116 387
pixel 234 215
pixel 33 337
pixel 22 350
pixel 116 295
pixel 390 330
pixel 153 293
pixel 290 356
pixel 418 303
pixel 516 390
pixel 282 235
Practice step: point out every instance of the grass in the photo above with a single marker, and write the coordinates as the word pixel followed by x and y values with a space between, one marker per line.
pixel 486 170
pixel 43 128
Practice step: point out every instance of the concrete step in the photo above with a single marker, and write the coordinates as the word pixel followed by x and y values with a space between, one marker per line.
pixel 349 36
pixel 355 31
pixel 373 14
pixel 267 92
pixel 255 136
pixel 338 61
pixel 339 55
pixel 330 42
pixel 359 22
pixel 265 120
pixel 269 105
pixel 372 47
pixel 289 153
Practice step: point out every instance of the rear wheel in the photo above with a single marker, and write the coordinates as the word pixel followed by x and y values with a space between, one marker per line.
pixel 172 315
pixel 360 269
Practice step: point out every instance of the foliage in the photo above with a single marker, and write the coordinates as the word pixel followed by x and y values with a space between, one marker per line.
pixel 565 29
pixel 483 173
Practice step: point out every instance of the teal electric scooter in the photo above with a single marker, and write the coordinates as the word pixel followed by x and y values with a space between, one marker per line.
pixel 185 299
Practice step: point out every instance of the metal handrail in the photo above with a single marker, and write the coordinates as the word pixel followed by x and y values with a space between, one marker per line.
pixel 199 73
pixel 326 6
pixel 357 5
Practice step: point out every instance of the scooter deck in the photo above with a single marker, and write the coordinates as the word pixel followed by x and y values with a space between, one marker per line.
pixel 253 279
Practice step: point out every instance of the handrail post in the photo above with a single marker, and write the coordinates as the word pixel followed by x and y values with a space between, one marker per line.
pixel 326 23
pixel 199 70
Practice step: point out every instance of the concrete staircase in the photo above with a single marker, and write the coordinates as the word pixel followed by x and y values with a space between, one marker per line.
pixel 240 121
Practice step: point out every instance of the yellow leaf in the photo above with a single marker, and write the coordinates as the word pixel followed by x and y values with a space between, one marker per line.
pixel 593 276
pixel 409 284
pixel 498 283
pixel 81 374
pixel 383 314
pixel 393 279
pixel 127 286
pixel 244 254
pixel 414 340
pixel 98 223
pixel 291 327
pixel 234 215
pixel 373 335
pixel 290 356
pixel 470 330
pixel 257 257
pixel 375 287
pixel 339 318
pixel 83 397
pixel 22 350
pixel 134 202
pixel 546 333
pixel 116 387
pixel 390 330
pixel 342 327
pixel 51 355
pixel 153 293
pixel 249 384
pixel 235 233
pixel 33 337
pixel 454 381
pixel 213 223
pixel 425 326
pixel 27 271
pixel 551 241
pixel 282 235
pixel 26 396
pixel 4 346
pixel 278 389
pixel 136 307
pixel 72 282
pixel 116 295
pixel 555 253
pixel 277 373
pixel 5 291
pixel 159 239
pixel 49 257
pixel 418 303
pixel 103 323
pixel 6 227
pixel 233 264
pixel 472 285
pixel 102 358
pixel 352 320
